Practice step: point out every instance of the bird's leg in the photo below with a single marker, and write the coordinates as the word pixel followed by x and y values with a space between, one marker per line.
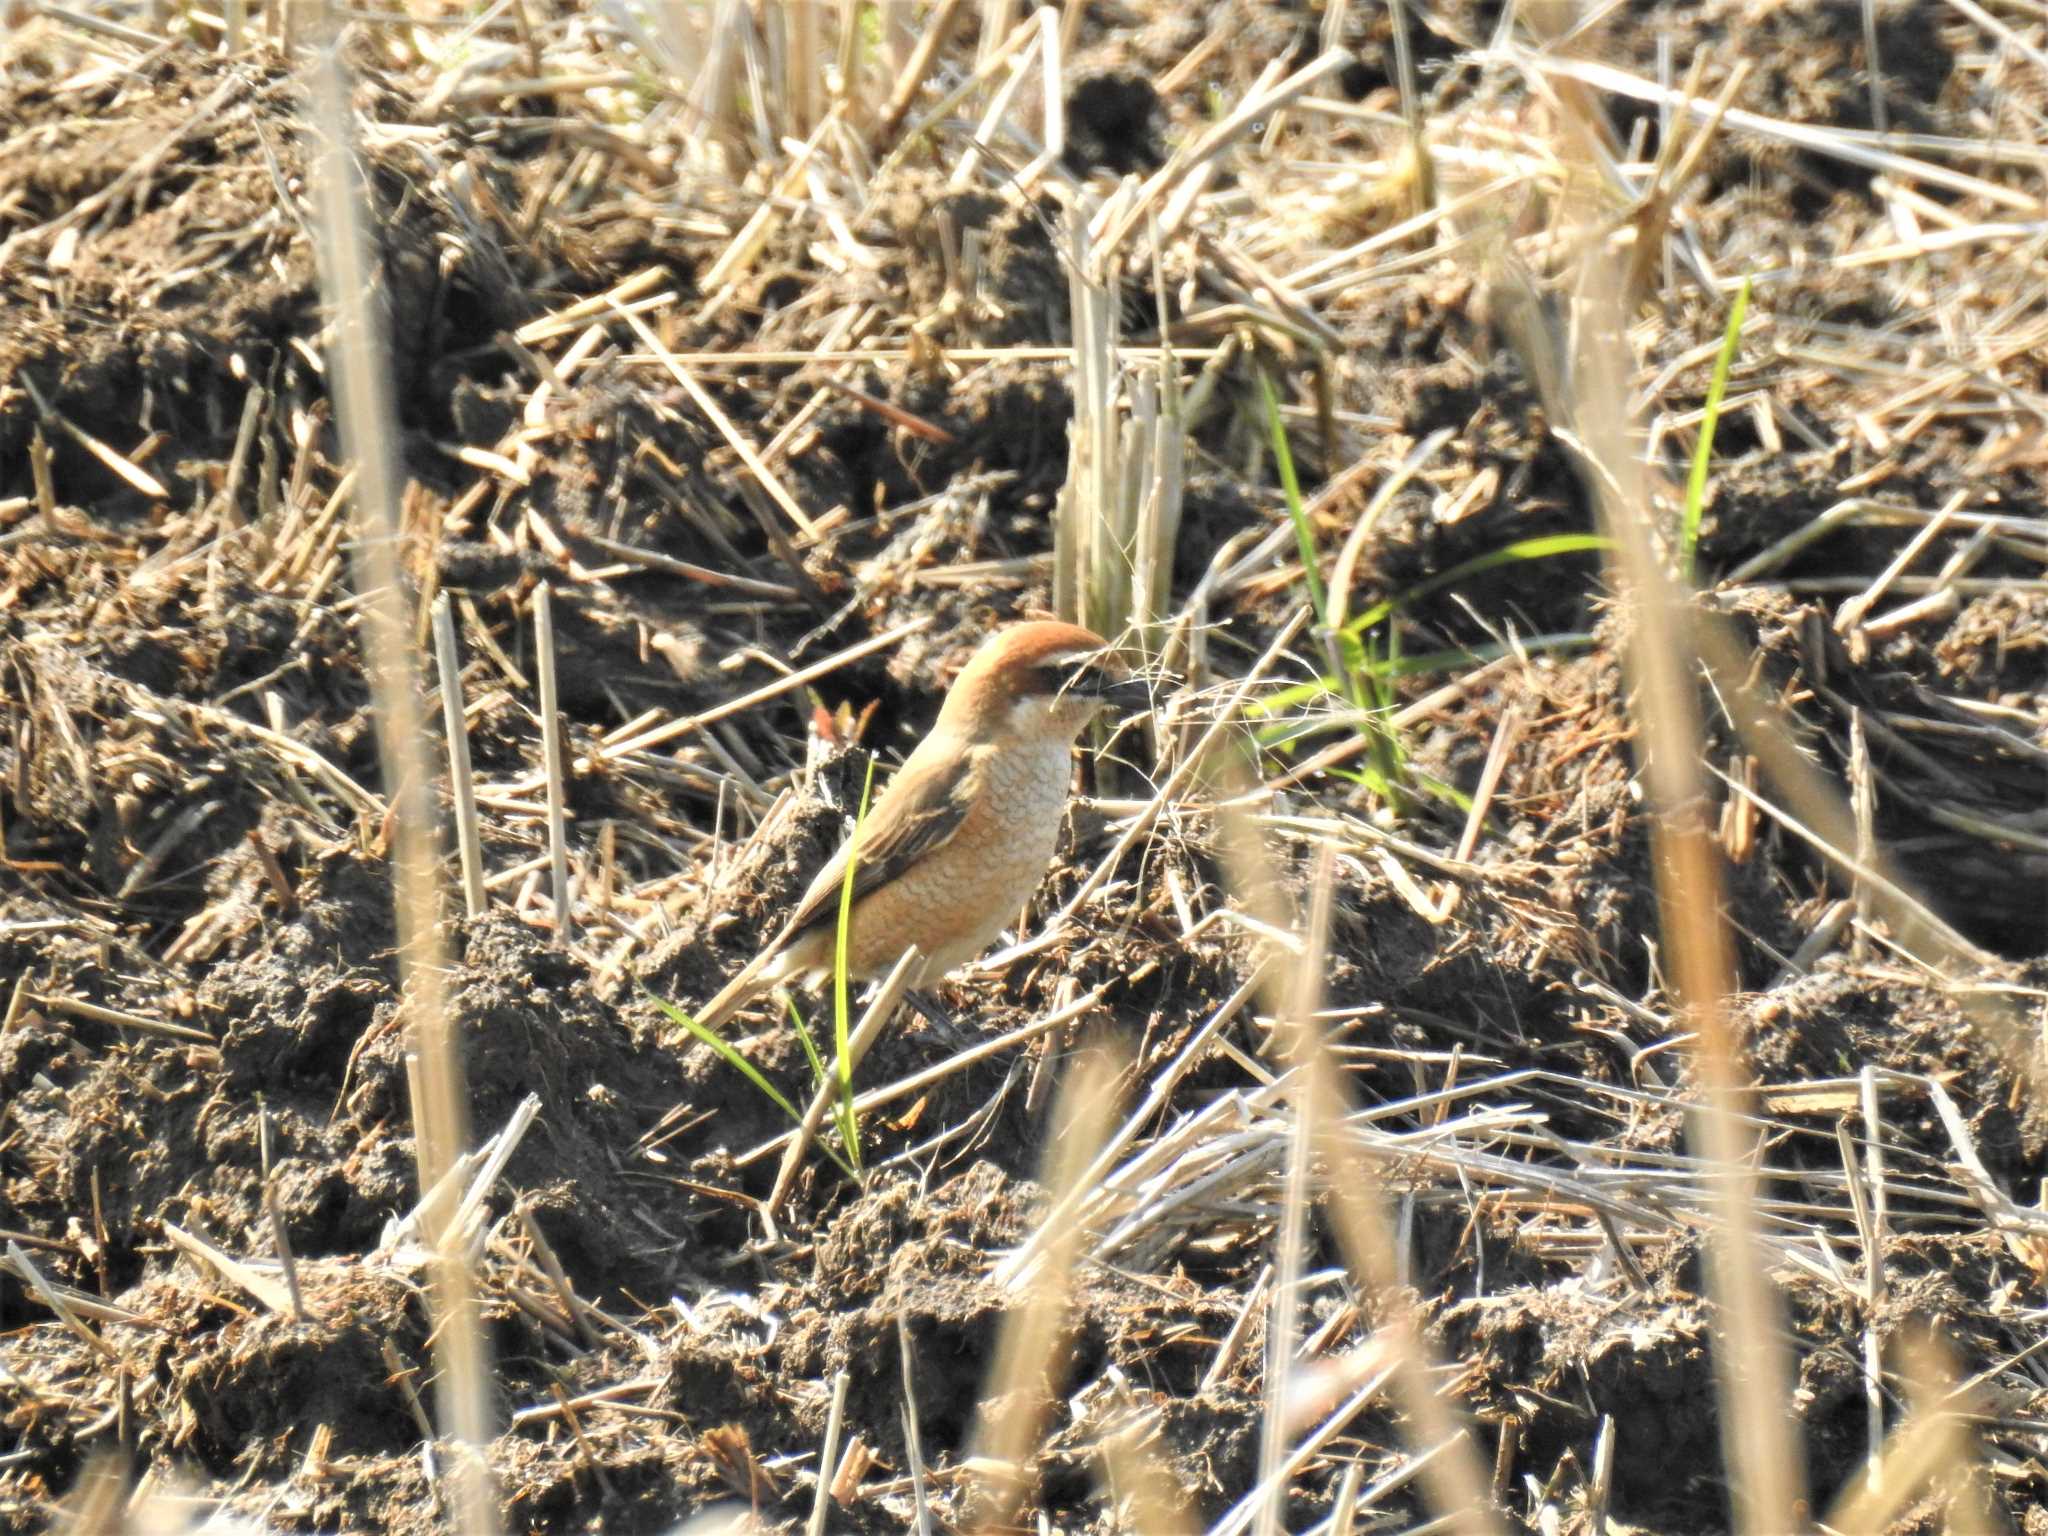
pixel 938 1018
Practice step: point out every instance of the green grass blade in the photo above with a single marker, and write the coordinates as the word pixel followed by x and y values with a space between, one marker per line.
pixel 747 1069
pixel 1291 695
pixel 1544 548
pixel 1304 536
pixel 1374 693
pixel 1428 663
pixel 731 1057
pixel 1696 482
pixel 819 1076
pixel 841 1006
pixel 1450 794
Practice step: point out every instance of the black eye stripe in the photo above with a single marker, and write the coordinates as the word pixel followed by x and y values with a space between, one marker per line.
pixel 1053 676
pixel 1059 672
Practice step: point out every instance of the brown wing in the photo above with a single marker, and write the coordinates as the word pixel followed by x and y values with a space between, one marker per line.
pixel 920 810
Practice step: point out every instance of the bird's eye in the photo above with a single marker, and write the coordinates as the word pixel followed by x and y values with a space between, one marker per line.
pixel 1065 674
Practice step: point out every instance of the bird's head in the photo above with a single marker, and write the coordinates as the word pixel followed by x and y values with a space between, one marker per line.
pixel 1037 680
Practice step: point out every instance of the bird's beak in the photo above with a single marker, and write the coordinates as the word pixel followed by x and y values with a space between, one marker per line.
pixel 1119 693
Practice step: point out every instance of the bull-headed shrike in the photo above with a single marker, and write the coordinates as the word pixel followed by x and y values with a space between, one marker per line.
pixel 964 833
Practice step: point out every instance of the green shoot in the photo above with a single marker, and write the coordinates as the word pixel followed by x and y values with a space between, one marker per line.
pixel 1546 547
pixel 1304 536
pixel 820 1073
pixel 1282 712
pixel 1365 664
pixel 1429 663
pixel 843 1115
pixel 1696 482
pixel 1370 690
pixel 732 1058
pixel 841 1008
pixel 1362 666
pixel 1372 702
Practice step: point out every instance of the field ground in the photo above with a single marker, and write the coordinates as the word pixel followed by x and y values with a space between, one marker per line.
pixel 751 385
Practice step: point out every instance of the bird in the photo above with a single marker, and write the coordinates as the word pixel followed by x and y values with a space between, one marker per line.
pixel 965 830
